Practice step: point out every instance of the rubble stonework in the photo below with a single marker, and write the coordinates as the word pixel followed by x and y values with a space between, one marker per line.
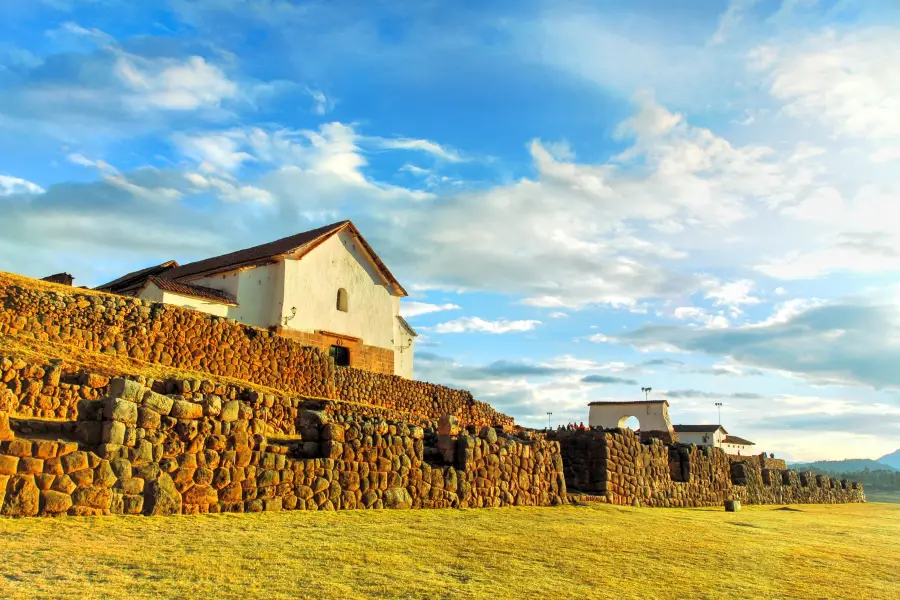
pixel 136 451
pixel 614 466
pixel 264 423
pixel 185 339
pixel 415 397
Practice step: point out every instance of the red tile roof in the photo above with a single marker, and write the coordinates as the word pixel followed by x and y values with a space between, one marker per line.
pixel 192 291
pixel 135 279
pixel 733 439
pixel 299 244
pixel 697 428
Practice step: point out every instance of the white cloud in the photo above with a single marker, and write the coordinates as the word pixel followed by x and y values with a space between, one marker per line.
pixel 701 316
pixel 214 152
pixel 731 19
pixel 732 294
pixel 74 29
pixel 558 315
pixel 850 82
pixel 414 170
pixel 173 85
pixel 410 309
pixel 476 324
pixel 231 192
pixel 81 160
pixel 785 311
pixel 14 185
pixel 322 104
pixel 799 340
pixel 426 146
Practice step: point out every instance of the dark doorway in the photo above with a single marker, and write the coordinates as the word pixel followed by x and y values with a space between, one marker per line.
pixel 341 356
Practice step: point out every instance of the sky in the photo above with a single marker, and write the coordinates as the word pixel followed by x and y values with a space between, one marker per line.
pixel 582 198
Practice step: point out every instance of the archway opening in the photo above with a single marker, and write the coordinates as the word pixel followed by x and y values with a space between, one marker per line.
pixel 631 423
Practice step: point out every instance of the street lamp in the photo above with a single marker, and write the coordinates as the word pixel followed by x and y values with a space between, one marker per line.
pixel 719 408
pixel 646 391
pixel 549 414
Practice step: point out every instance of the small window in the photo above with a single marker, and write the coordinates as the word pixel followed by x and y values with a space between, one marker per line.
pixel 341 356
pixel 342 300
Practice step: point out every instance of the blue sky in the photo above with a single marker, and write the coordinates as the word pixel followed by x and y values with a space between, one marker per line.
pixel 582 198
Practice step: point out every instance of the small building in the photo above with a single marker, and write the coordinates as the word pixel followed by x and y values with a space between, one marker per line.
pixel 652 416
pixel 715 436
pixel 733 444
pixel 61 278
pixel 325 288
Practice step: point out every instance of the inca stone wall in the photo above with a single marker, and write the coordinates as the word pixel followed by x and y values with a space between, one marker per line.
pixel 163 334
pixel 185 339
pixel 415 397
pixel 44 391
pixel 136 451
pixel 614 466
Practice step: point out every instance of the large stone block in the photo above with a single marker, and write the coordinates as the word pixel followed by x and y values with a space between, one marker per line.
pixel 76 461
pixel 118 409
pixel 22 497
pixel 113 432
pixel 5 432
pixel 333 432
pixel 125 389
pixel 92 497
pixel 397 497
pixel 448 425
pixel 54 503
pixel 182 409
pixel 161 497
pixel 230 411
pixel 158 403
pixel 9 465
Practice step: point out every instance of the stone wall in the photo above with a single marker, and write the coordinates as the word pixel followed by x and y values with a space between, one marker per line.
pixel 185 339
pixel 136 451
pixel 614 466
pixel 764 461
pixel 163 334
pixel 44 391
pixel 415 397
pixel 362 356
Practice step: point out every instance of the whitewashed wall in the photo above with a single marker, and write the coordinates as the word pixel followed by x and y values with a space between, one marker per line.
pixel 259 292
pixel 311 285
pixel 154 294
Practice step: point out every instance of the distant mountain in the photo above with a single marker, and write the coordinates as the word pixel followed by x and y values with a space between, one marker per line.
pixel 892 459
pixel 848 465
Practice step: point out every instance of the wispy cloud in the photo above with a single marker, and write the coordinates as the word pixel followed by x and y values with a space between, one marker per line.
pixel 15 185
pixel 412 308
pixel 426 146
pixel 478 325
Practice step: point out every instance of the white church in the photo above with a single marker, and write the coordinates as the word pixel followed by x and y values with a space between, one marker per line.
pixel 325 288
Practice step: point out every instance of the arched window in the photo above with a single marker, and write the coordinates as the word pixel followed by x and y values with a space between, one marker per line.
pixel 342 300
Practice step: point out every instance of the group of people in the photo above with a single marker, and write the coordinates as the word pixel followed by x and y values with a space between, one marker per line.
pixel 572 427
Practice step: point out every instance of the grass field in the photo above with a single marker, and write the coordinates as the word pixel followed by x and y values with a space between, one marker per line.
pixel 883 496
pixel 598 551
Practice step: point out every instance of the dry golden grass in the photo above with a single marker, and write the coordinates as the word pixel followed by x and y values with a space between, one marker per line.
pixel 39 284
pixel 599 551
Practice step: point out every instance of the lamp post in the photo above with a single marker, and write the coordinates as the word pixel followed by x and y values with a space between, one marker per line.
pixel 549 414
pixel 646 391
pixel 719 408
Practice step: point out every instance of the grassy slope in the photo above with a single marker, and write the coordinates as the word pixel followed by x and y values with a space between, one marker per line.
pixel 599 551
pixel 883 496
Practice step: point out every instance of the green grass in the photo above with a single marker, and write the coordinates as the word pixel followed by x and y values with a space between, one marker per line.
pixel 594 551
pixel 892 496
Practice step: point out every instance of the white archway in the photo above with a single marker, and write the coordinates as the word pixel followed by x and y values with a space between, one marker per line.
pixel 630 422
